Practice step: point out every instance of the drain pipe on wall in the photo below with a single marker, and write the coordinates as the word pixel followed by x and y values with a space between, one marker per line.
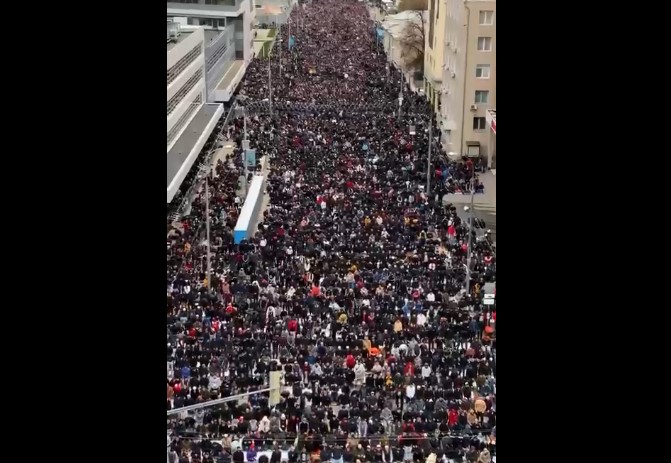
pixel 463 98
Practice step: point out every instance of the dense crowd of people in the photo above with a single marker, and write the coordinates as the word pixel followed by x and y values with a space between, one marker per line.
pixel 354 286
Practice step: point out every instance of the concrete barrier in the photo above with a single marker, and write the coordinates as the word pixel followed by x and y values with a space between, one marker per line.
pixel 249 214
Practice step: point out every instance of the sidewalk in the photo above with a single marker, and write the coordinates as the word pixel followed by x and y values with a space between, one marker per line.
pixel 486 199
pixel 223 153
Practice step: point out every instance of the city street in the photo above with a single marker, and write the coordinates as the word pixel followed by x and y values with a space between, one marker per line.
pixel 485 204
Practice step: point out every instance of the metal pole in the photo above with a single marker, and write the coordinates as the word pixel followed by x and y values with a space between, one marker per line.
pixel 207 232
pixel 428 162
pixel 463 90
pixel 210 403
pixel 400 97
pixel 279 38
pixel 470 235
pixel 244 148
pixel 270 88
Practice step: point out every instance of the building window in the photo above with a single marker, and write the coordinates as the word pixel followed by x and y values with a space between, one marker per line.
pixel 184 62
pixel 479 123
pixel 484 44
pixel 482 71
pixel 181 122
pixel 216 55
pixel 481 96
pixel 186 88
pixel 486 18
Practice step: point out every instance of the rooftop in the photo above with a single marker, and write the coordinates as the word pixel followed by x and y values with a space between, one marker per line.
pixel 183 35
pixel 186 149
pixel 211 34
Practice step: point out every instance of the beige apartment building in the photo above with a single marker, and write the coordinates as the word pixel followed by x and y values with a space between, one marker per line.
pixel 468 77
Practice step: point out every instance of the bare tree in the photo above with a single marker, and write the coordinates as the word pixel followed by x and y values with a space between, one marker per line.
pixel 412 36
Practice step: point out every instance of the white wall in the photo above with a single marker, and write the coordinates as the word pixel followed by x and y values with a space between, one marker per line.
pixel 227 93
pixel 178 83
pixel 184 46
pixel 209 11
pixel 181 108
pixel 248 39
pixel 190 159
pixel 175 54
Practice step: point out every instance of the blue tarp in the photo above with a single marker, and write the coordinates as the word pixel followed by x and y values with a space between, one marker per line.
pixel 380 33
pixel 292 42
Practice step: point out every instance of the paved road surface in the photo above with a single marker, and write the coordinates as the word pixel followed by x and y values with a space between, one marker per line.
pixel 485 204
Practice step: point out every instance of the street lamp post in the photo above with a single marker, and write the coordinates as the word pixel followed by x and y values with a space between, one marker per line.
pixel 400 104
pixel 471 211
pixel 245 147
pixel 204 169
pixel 270 88
pixel 428 162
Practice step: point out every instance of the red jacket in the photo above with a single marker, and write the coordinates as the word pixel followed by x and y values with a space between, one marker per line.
pixel 409 369
pixel 349 361
pixel 452 417
pixel 292 325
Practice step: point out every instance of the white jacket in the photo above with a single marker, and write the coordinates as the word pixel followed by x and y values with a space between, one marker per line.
pixel 264 424
pixel 360 372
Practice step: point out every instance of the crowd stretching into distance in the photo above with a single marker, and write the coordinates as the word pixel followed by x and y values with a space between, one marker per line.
pixel 354 284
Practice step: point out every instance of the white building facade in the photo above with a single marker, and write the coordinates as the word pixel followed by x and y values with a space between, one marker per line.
pixel 229 39
pixel 469 76
pixel 190 120
pixel 186 79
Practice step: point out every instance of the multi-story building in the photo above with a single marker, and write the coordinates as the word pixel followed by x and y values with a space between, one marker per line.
pixel 434 50
pixel 469 76
pixel 229 40
pixel 190 119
